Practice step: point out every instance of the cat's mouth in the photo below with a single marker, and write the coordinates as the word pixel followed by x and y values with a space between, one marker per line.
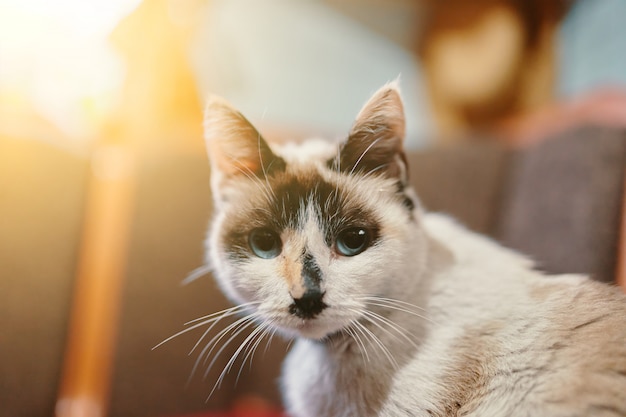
pixel 313 328
pixel 316 327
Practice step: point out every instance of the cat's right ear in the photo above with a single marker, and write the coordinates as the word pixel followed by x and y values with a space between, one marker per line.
pixel 375 142
pixel 236 149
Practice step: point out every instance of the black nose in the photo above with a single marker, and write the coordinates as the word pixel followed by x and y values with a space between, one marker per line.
pixel 309 305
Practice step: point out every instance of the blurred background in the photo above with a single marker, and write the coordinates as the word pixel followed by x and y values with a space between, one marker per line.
pixel 104 191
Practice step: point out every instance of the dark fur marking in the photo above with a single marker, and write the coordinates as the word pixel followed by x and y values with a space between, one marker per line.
pixel 594 408
pixel 620 372
pixel 589 322
pixel 311 273
pixel 310 304
pixel 335 212
pixel 337 164
pixel 291 194
pixel 237 244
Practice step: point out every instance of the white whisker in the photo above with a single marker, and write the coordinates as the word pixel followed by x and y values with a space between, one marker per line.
pixel 234 357
pixel 238 308
pixel 392 300
pixel 250 352
pixel 264 187
pixel 352 332
pixel 398 305
pixel 404 310
pixel 215 321
pixel 402 332
pixel 371 145
pixel 242 322
pixel 377 341
pixel 238 328
pixel 205 320
pixel 196 273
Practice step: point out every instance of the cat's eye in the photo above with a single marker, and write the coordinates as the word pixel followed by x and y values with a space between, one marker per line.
pixel 352 241
pixel 265 243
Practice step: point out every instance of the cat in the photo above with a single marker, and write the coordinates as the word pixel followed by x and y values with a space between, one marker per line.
pixel 396 311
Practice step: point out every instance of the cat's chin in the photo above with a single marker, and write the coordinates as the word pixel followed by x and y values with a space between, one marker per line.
pixel 313 330
pixel 310 329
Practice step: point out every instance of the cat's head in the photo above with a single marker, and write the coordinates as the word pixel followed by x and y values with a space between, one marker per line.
pixel 310 235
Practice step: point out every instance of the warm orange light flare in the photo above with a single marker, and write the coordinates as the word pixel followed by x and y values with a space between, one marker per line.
pixel 58 67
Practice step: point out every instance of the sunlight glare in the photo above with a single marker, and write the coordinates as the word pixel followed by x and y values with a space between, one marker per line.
pixel 55 58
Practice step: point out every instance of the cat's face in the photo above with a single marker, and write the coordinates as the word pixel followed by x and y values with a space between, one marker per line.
pixel 310 237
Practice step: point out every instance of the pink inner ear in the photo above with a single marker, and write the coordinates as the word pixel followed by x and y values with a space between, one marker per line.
pixel 234 158
pixel 235 146
pixel 384 108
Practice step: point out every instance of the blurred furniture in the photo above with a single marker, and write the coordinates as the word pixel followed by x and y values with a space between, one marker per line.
pixel 486 60
pixel 559 201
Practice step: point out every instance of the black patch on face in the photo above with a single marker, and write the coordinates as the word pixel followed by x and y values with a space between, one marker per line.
pixel 311 273
pixel 291 194
pixel 330 203
pixel 406 200
pixel 237 246
pixel 310 304
pixel 341 164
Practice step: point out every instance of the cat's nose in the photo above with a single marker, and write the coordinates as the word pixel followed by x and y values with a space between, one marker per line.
pixel 309 305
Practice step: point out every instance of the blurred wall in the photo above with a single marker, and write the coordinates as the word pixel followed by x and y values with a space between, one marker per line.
pixel 306 65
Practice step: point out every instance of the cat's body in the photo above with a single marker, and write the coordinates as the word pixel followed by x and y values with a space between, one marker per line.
pixel 504 340
pixel 397 312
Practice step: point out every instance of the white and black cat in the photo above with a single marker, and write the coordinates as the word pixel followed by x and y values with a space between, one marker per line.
pixel 397 312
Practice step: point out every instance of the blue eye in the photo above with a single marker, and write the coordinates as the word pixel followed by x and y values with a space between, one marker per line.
pixel 352 241
pixel 265 243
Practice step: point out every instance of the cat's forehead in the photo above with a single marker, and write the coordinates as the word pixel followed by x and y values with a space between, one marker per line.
pixel 290 199
pixel 292 195
pixel 307 152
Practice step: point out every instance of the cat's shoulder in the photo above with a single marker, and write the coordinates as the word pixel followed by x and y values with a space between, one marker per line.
pixel 481 261
pixel 469 246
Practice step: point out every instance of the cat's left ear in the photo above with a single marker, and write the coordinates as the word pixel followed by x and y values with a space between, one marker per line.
pixel 375 142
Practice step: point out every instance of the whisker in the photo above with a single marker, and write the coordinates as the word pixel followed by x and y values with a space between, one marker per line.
pixel 370 316
pixel 196 273
pixel 377 341
pixel 238 328
pixel 392 300
pixel 403 310
pixel 237 308
pixel 398 329
pixel 269 341
pixel 240 324
pixel 289 343
pixel 243 168
pixel 233 358
pixel 215 321
pixel 364 153
pixel 203 321
pixel 398 305
pixel 250 352
pixel 359 341
pixel 374 170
